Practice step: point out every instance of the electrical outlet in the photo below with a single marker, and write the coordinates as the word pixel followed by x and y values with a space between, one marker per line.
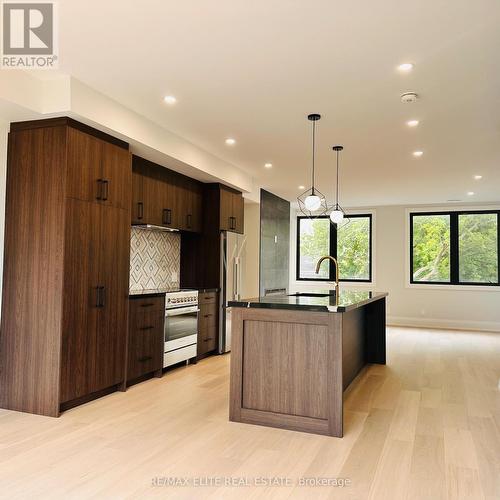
pixel 175 276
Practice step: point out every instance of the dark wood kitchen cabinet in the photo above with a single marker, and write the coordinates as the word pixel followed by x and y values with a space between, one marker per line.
pixel 238 207
pixel 66 266
pixel 191 202
pixel 162 197
pixel 208 323
pixel 145 342
pixel 95 316
pixel 167 196
pixel 230 206
pixel 147 203
pixel 94 168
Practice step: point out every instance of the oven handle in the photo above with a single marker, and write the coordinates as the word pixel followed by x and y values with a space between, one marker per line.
pixel 180 311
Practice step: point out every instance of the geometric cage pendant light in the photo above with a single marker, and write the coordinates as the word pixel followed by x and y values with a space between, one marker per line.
pixel 337 214
pixel 312 203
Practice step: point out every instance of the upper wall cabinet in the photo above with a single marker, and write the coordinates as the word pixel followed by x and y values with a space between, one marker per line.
pixel 231 210
pixel 162 197
pixel 96 170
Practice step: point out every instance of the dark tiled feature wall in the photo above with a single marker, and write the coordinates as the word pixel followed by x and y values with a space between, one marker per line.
pixel 155 259
pixel 274 242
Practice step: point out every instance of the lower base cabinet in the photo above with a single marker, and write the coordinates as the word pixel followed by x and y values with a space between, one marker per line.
pixel 208 322
pixel 145 343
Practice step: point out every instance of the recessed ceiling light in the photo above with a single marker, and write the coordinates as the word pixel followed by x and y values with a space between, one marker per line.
pixel 470 193
pixel 478 177
pixel 302 187
pixel 230 141
pixel 170 99
pixel 268 165
pixel 405 67
pixel 418 153
pixel 412 123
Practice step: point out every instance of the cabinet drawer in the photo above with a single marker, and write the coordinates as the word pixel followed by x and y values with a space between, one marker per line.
pixel 145 346
pixel 207 317
pixel 208 308
pixel 207 345
pixel 207 338
pixel 207 298
pixel 142 304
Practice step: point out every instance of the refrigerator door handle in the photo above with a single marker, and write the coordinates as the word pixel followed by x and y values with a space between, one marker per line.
pixel 236 292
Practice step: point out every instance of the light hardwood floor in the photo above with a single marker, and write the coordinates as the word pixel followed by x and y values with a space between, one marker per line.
pixel 426 426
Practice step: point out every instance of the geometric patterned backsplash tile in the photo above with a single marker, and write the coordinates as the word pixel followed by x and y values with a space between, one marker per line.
pixel 155 259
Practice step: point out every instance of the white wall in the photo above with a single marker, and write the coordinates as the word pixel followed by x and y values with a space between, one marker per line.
pixel 416 305
pixel 24 96
pixel 250 279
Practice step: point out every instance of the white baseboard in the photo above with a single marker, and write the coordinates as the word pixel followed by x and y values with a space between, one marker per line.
pixel 448 324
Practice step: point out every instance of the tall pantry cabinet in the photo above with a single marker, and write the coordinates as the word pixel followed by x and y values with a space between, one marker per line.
pixel 66 266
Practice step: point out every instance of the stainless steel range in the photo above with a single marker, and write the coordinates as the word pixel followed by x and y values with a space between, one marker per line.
pixel 181 326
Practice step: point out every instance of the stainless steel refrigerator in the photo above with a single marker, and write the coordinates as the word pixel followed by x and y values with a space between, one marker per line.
pixel 232 275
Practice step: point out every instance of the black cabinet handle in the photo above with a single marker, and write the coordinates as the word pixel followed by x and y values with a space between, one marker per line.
pixel 167 216
pixel 147 305
pixel 146 328
pixel 103 296
pixel 144 359
pixel 208 339
pixel 99 189
pixel 105 184
pixel 188 220
pixel 140 210
pixel 100 296
pixel 207 315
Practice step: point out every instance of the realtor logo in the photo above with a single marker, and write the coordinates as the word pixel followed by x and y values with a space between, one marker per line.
pixel 28 35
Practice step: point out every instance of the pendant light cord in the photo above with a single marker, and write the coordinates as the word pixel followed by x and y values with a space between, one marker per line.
pixel 313 151
pixel 337 195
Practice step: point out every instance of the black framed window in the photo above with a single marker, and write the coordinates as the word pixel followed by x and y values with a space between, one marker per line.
pixel 351 244
pixel 455 248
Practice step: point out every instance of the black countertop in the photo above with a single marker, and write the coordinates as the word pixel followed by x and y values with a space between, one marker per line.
pixel 162 291
pixel 317 300
pixel 150 292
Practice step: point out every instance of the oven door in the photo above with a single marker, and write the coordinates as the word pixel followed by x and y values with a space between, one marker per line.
pixel 181 327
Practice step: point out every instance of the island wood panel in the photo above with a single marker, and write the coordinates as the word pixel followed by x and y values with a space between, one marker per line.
pixel 33 271
pixel 283 368
pixel 282 323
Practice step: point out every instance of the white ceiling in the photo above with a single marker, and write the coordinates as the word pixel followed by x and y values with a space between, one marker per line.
pixel 254 70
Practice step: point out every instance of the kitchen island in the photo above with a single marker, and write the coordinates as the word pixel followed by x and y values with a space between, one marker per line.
pixel 294 355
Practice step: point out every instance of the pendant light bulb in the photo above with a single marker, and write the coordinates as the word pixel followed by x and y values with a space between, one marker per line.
pixel 337 216
pixel 312 202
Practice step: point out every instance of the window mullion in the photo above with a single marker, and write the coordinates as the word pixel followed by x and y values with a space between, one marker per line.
pixel 454 249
